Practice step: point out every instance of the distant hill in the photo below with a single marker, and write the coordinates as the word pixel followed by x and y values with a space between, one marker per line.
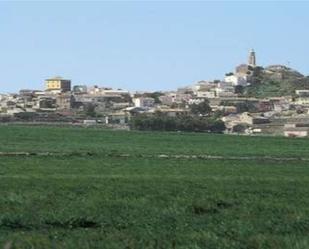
pixel 275 80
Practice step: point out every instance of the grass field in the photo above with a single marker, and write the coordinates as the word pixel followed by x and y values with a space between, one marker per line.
pixel 112 189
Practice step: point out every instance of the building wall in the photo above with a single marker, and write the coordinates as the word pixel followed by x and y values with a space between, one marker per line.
pixel 52 84
pixel 64 102
pixel 58 84
pixel 302 101
pixel 295 133
pixel 236 80
pixel 206 94
pixel 143 102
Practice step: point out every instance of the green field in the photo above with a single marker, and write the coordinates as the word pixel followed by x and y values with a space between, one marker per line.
pixel 113 189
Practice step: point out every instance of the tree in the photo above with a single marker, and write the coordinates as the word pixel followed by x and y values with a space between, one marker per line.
pixel 239 128
pixel 155 96
pixel 90 110
pixel 246 106
pixel 239 89
pixel 202 108
pixel 163 122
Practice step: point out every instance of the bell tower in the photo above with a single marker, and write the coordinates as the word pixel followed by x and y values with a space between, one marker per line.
pixel 252 59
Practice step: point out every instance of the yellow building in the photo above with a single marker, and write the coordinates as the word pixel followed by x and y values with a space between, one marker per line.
pixel 58 84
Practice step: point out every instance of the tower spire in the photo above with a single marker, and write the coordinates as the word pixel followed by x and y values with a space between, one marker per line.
pixel 252 59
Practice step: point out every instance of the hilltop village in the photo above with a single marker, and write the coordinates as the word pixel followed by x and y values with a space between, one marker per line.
pixel 251 100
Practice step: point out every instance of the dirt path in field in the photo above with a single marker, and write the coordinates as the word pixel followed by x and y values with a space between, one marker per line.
pixel 159 156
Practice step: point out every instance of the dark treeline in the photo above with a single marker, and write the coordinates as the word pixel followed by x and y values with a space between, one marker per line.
pixel 162 122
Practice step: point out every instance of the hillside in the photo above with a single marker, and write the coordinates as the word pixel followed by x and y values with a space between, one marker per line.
pixel 275 80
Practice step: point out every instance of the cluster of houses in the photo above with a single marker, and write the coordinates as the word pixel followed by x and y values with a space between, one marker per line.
pixel 60 102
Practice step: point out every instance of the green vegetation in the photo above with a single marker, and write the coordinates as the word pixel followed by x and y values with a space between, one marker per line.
pixel 273 82
pixel 199 119
pixel 242 106
pixel 202 108
pixel 161 122
pixel 154 95
pixel 112 189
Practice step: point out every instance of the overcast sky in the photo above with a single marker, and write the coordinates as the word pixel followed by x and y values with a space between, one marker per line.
pixel 145 45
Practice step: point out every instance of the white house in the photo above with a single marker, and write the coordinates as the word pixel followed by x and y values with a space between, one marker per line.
pixel 296 132
pixel 225 89
pixel 236 80
pixel 143 102
pixel 206 94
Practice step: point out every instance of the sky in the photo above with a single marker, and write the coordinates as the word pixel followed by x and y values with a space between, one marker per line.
pixel 145 45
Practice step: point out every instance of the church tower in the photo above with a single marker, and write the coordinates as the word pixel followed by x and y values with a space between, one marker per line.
pixel 252 59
